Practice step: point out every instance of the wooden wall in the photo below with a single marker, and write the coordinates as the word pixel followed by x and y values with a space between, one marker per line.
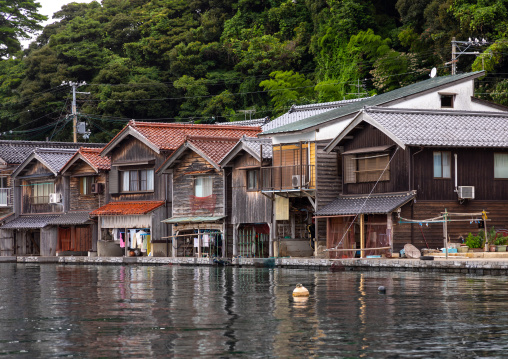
pixel 132 150
pixel 248 207
pixel 79 202
pixel 412 233
pixel 183 186
pixel 399 166
pixel 475 167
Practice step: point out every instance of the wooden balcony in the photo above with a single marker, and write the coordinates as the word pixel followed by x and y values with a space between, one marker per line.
pixel 288 178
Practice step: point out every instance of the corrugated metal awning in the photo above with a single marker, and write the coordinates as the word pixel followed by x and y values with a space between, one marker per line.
pixel 199 219
pixel 30 222
pixel 134 221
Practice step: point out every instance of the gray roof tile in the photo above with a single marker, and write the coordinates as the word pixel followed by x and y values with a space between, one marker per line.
pixel 372 101
pixel 256 144
pixel 14 152
pixel 254 122
pixel 297 113
pixel 30 222
pixel 373 204
pixel 71 218
pixel 444 128
pixel 54 158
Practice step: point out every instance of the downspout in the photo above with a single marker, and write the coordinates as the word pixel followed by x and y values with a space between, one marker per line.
pixel 412 174
pixel 456 180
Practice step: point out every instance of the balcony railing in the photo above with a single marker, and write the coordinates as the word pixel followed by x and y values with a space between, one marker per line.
pixel 283 178
pixel 5 197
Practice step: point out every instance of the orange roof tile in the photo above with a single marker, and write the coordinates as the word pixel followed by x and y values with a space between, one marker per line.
pixel 213 147
pixel 93 156
pixel 169 136
pixel 127 208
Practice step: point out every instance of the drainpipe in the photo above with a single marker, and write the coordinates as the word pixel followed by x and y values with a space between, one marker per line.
pixel 412 174
pixel 456 184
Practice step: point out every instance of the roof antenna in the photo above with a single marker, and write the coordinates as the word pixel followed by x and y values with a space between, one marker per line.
pixel 433 72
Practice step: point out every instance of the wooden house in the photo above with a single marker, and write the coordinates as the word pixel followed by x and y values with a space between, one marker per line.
pixel 137 200
pixel 251 211
pixel 304 178
pixel 402 167
pixel 202 195
pixel 38 200
pixel 12 154
pixel 85 175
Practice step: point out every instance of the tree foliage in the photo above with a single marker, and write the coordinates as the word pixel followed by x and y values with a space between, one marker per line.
pixel 206 60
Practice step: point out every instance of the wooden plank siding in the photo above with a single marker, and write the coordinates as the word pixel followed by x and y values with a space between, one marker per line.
pixel 79 202
pixel 131 150
pixel 412 233
pixel 183 186
pixel 248 206
pixel 369 136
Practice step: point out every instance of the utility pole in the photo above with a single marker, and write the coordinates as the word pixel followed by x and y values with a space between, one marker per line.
pixel 460 47
pixel 74 85
pixel 454 50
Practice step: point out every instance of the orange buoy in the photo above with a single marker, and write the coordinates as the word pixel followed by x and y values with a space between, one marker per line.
pixel 300 291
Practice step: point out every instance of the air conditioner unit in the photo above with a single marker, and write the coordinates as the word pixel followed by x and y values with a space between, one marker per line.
pixel 97 188
pixel 55 197
pixel 298 181
pixel 465 192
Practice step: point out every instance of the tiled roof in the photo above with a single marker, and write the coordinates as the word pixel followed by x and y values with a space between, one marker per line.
pixel 254 122
pixel 252 145
pixel 71 218
pixel 92 157
pixel 297 113
pixel 14 152
pixel 373 204
pixel 443 128
pixel 30 222
pixel 215 148
pixel 170 136
pixel 377 100
pixel 127 208
pixel 54 158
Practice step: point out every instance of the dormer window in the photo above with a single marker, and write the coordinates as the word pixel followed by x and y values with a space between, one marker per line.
pixel 447 99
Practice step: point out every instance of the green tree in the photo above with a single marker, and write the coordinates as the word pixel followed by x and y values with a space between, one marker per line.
pixel 18 19
pixel 287 88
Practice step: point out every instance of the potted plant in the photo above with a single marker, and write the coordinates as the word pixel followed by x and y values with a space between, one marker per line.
pixel 474 242
pixel 501 244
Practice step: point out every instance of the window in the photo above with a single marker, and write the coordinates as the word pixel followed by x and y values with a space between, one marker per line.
pixel 442 164
pixel 366 167
pixel 137 180
pixel 5 192
pixel 203 186
pixel 252 180
pixel 41 191
pixel 85 185
pixel 447 101
pixel 500 165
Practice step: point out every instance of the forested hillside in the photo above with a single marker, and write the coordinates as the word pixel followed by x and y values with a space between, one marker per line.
pixel 207 60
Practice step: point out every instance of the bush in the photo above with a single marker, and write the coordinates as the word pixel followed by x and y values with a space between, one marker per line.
pixel 475 241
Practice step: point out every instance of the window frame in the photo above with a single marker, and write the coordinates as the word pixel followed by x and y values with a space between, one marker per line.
pixel 41 199
pixel 248 178
pixel 85 189
pixel 441 167
pixel 198 179
pixel 353 163
pixel 447 96
pixel 499 154
pixel 138 180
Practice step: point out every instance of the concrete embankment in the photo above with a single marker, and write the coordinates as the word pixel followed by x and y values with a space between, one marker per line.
pixel 478 266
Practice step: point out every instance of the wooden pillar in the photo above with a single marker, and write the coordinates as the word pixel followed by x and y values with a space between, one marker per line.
pixel 270 240
pixel 235 239
pixel 445 232
pixel 224 240
pixel 126 239
pixel 292 224
pixel 174 243
pixel 199 243
pixel 362 235
pixel 389 230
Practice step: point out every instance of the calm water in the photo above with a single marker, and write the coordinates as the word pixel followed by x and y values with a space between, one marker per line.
pixel 117 311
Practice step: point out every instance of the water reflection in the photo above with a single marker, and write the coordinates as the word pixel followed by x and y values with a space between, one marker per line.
pixel 142 311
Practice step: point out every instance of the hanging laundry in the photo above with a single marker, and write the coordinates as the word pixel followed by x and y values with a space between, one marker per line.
pixel 115 235
pixel 132 238
pixel 145 244
pixel 206 240
pixel 139 238
pixel 122 242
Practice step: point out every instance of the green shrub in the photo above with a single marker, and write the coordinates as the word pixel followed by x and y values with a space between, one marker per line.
pixel 475 241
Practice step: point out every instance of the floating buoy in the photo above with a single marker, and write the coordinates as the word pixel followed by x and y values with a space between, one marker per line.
pixel 381 289
pixel 300 291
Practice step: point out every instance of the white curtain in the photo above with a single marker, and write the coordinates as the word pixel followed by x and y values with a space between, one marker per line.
pixel 500 165
pixel 149 180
